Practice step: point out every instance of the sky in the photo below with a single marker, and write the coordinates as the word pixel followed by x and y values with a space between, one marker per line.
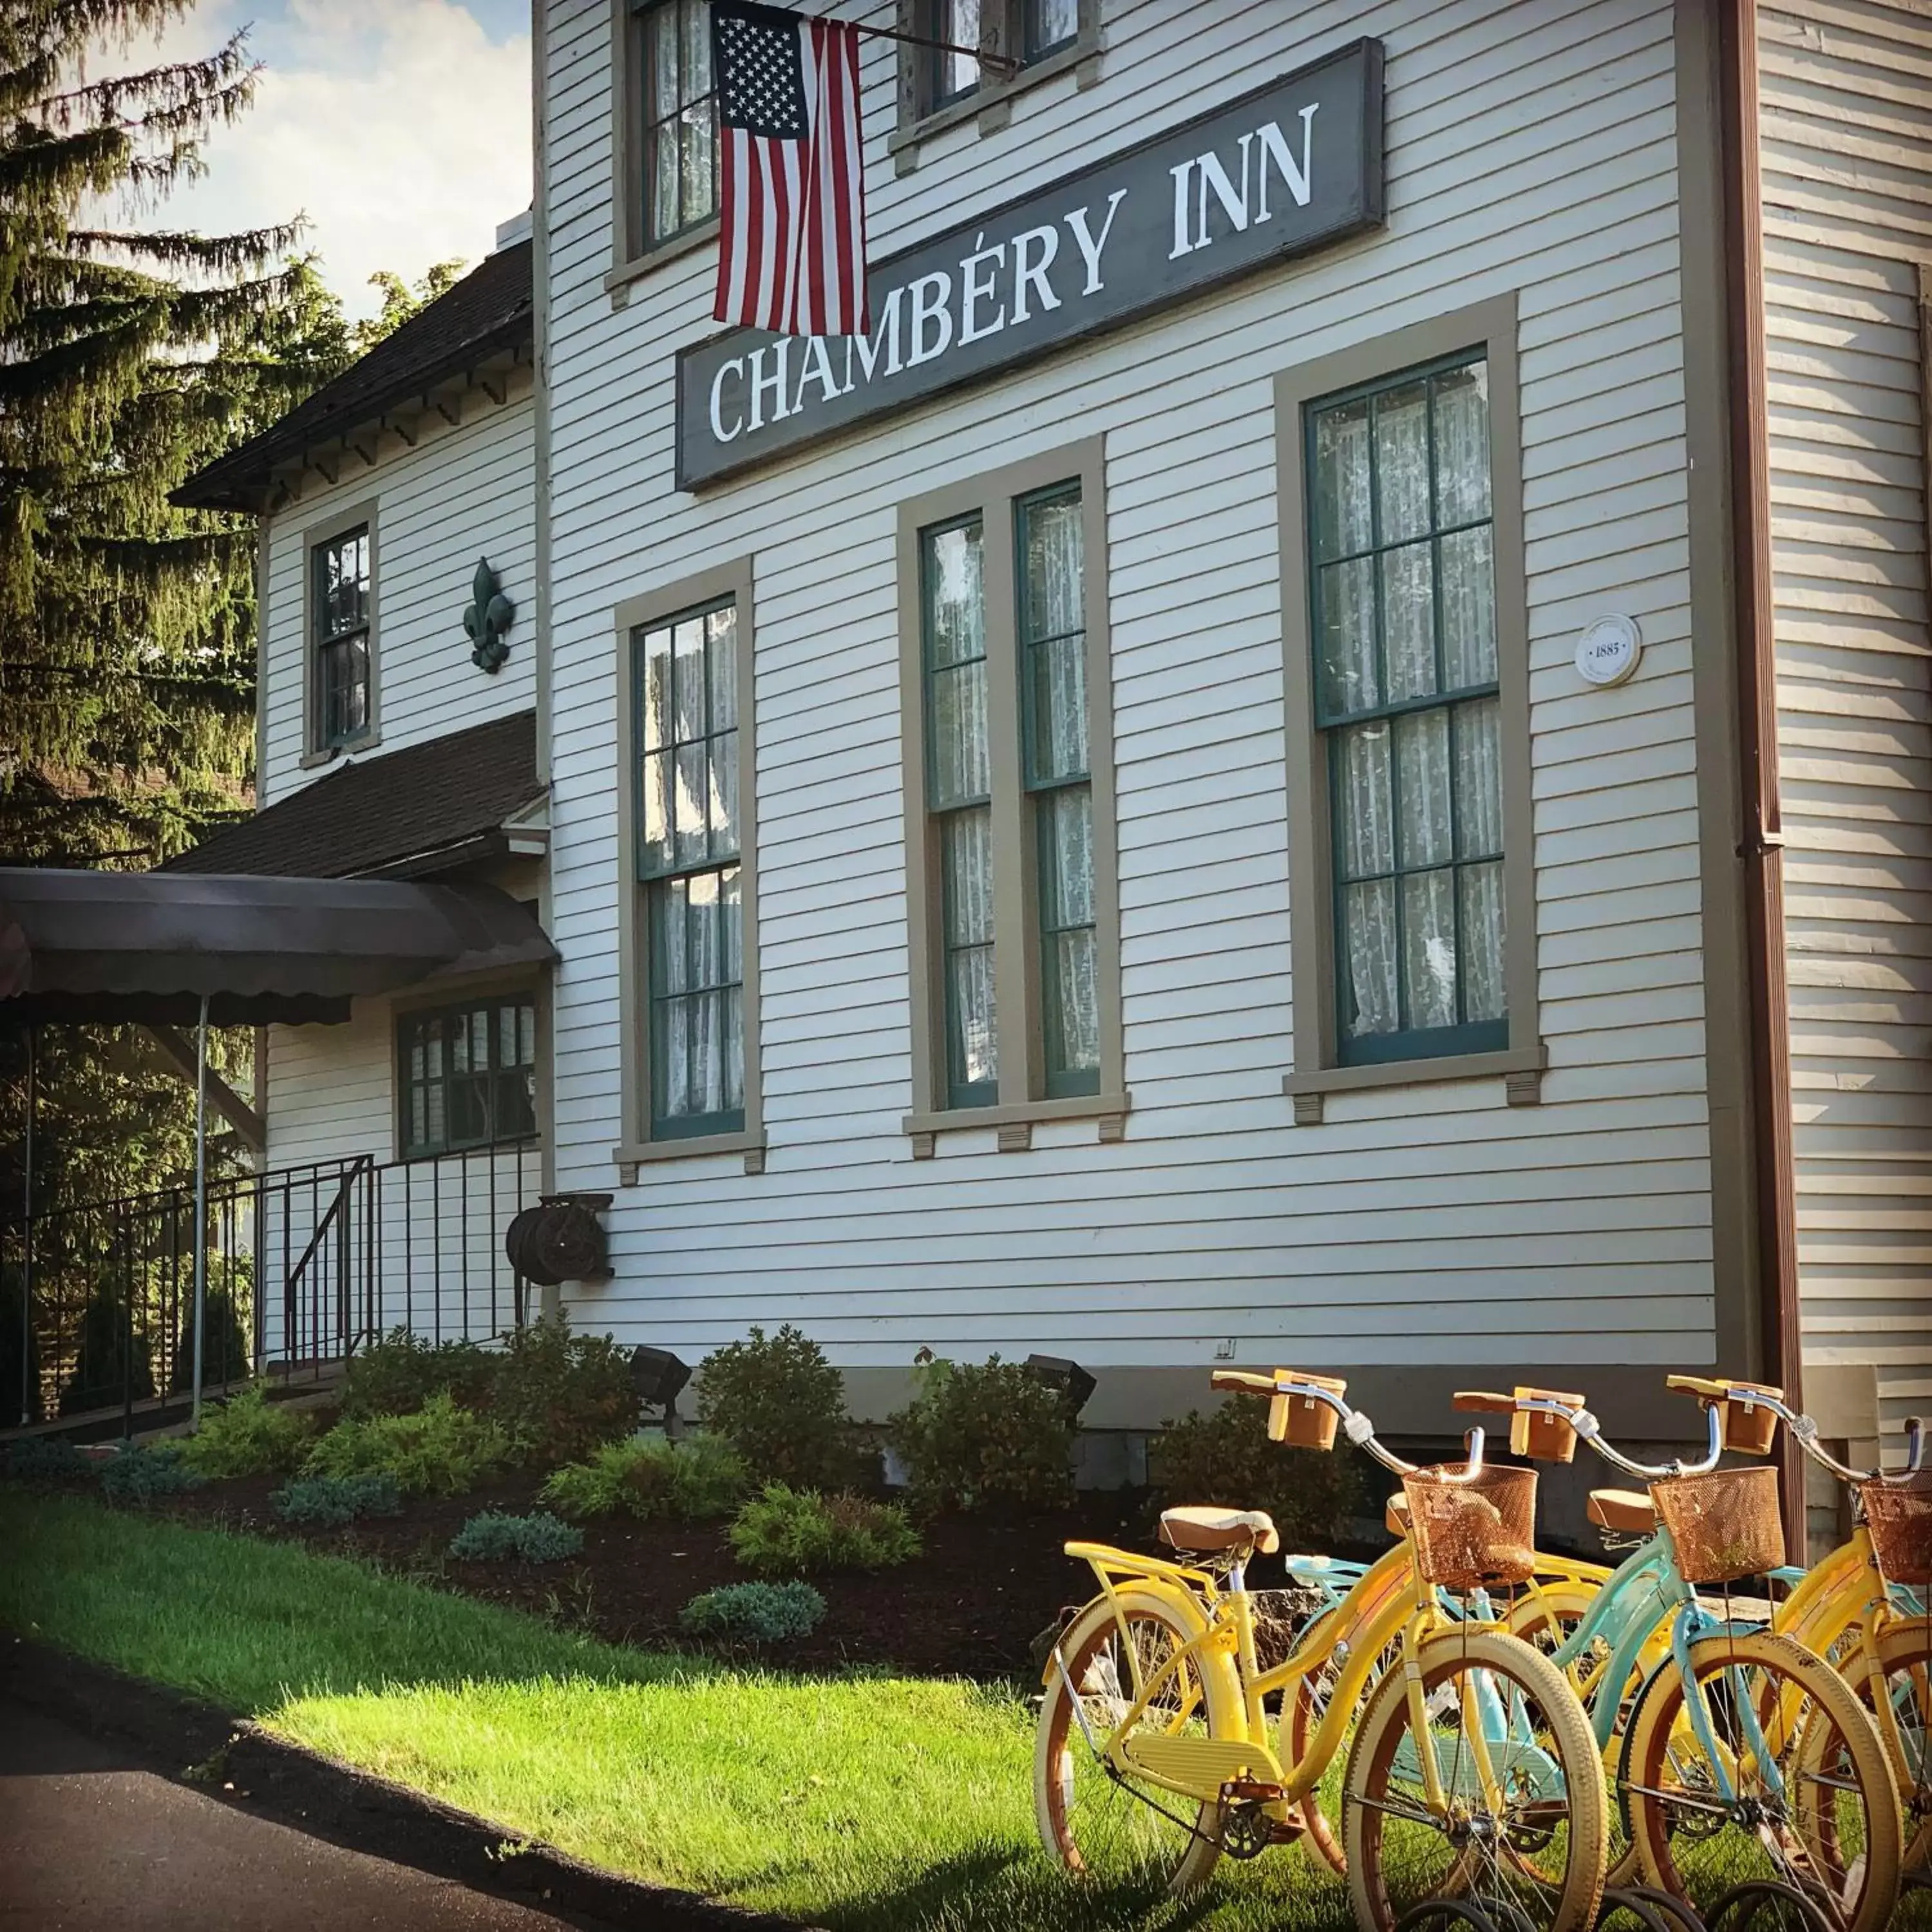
pixel 400 128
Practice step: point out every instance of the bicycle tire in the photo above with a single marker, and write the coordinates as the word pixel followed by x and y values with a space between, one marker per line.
pixel 1143 1848
pixel 1564 1897
pixel 1864 1884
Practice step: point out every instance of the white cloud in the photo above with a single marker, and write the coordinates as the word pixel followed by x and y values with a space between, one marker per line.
pixel 397 126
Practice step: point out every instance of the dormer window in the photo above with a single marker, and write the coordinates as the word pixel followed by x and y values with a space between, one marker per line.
pixel 340 595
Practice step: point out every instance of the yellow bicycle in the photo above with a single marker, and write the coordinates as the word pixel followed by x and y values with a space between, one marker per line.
pixel 1471 1774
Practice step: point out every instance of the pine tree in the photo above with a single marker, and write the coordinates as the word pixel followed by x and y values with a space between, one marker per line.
pixel 128 359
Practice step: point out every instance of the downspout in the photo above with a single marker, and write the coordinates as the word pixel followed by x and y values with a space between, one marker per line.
pixel 1763 849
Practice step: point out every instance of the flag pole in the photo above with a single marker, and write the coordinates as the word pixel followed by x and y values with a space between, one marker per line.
pixel 1002 64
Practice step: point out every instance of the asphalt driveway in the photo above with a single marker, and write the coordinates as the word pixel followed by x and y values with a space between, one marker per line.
pixel 91 1841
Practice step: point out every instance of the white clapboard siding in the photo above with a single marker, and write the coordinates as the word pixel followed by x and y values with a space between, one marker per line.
pixel 424 1237
pixel 464 492
pixel 1846 146
pixel 1531 149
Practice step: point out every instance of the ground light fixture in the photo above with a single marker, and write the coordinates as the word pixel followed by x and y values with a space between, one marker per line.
pixel 1072 1382
pixel 658 1376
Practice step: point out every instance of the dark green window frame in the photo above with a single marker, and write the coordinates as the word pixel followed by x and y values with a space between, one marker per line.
pixel 693 900
pixel 465 1075
pixel 1464 703
pixel 684 132
pixel 961 814
pixel 1052 788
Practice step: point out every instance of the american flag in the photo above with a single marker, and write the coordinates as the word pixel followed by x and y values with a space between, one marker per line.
pixel 791 255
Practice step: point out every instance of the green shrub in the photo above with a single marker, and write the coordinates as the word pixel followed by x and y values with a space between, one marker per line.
pixel 495 1537
pixel 755 1612
pixel 138 1476
pixel 782 1530
pixel 696 1478
pixel 105 1370
pixel 978 1431
pixel 397 1374
pixel 1225 1456
pixel 248 1435
pixel 781 1405
pixel 328 1502
pixel 45 1459
pixel 441 1448
pixel 560 1396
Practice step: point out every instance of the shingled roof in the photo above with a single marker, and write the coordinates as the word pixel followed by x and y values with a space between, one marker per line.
pixel 411 812
pixel 484 315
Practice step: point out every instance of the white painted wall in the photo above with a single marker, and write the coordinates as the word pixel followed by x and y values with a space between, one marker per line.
pixel 464 492
pixel 1531 147
pixel 1847 166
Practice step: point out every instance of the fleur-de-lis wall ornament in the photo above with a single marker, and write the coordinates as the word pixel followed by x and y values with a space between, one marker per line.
pixel 486 618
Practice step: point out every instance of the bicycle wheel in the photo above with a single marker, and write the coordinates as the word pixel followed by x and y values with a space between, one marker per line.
pixel 1549 1617
pixel 1814 1804
pixel 1303 1710
pixel 1522 1835
pixel 1108 1826
pixel 1905 1655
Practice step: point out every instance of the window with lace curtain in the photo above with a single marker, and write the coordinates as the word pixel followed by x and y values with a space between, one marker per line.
pixel 688 859
pixel 1411 879
pixel 1010 841
pixel 1405 629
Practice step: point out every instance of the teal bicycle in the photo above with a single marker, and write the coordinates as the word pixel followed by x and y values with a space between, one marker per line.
pixel 1735 1755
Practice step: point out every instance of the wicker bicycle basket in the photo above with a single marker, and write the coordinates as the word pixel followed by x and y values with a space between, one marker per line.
pixel 1476 1535
pixel 1726 1524
pixel 1899 1517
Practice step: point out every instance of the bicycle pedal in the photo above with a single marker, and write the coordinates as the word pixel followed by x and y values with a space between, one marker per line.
pixel 1251 1791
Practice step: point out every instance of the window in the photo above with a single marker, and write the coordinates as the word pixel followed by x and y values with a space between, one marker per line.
pixel 1048 26
pixel 688 859
pixel 467 1075
pixel 1053 672
pixel 943 81
pixel 679 145
pixel 340 601
pixel 1411 890
pixel 1009 832
pixel 954 74
pixel 1405 624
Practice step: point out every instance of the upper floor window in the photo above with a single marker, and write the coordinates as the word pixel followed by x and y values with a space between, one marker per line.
pixel 688 848
pixel 339 599
pixel 466 1075
pixel 680 146
pixel 1024 31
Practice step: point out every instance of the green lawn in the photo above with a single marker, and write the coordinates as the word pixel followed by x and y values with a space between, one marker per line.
pixel 872 1803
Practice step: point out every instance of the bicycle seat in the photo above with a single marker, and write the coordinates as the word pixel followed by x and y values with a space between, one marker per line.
pixel 1204 1530
pixel 1628 1511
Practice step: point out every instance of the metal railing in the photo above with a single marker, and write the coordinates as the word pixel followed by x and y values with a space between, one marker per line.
pixel 304 1265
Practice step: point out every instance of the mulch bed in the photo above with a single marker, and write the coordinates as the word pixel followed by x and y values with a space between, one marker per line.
pixel 970 1605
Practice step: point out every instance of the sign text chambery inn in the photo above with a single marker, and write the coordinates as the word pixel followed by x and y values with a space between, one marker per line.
pixel 1288 168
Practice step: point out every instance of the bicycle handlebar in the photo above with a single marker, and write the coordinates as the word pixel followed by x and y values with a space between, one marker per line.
pixel 1803 1428
pixel 1587 1426
pixel 1356 1425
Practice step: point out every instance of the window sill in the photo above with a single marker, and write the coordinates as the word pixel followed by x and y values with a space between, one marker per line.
pixel 1521 1066
pixel 635 1154
pixel 990 104
pixel 1015 1120
pixel 314 761
pixel 617 282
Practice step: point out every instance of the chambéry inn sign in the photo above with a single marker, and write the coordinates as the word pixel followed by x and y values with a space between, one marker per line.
pixel 1289 168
